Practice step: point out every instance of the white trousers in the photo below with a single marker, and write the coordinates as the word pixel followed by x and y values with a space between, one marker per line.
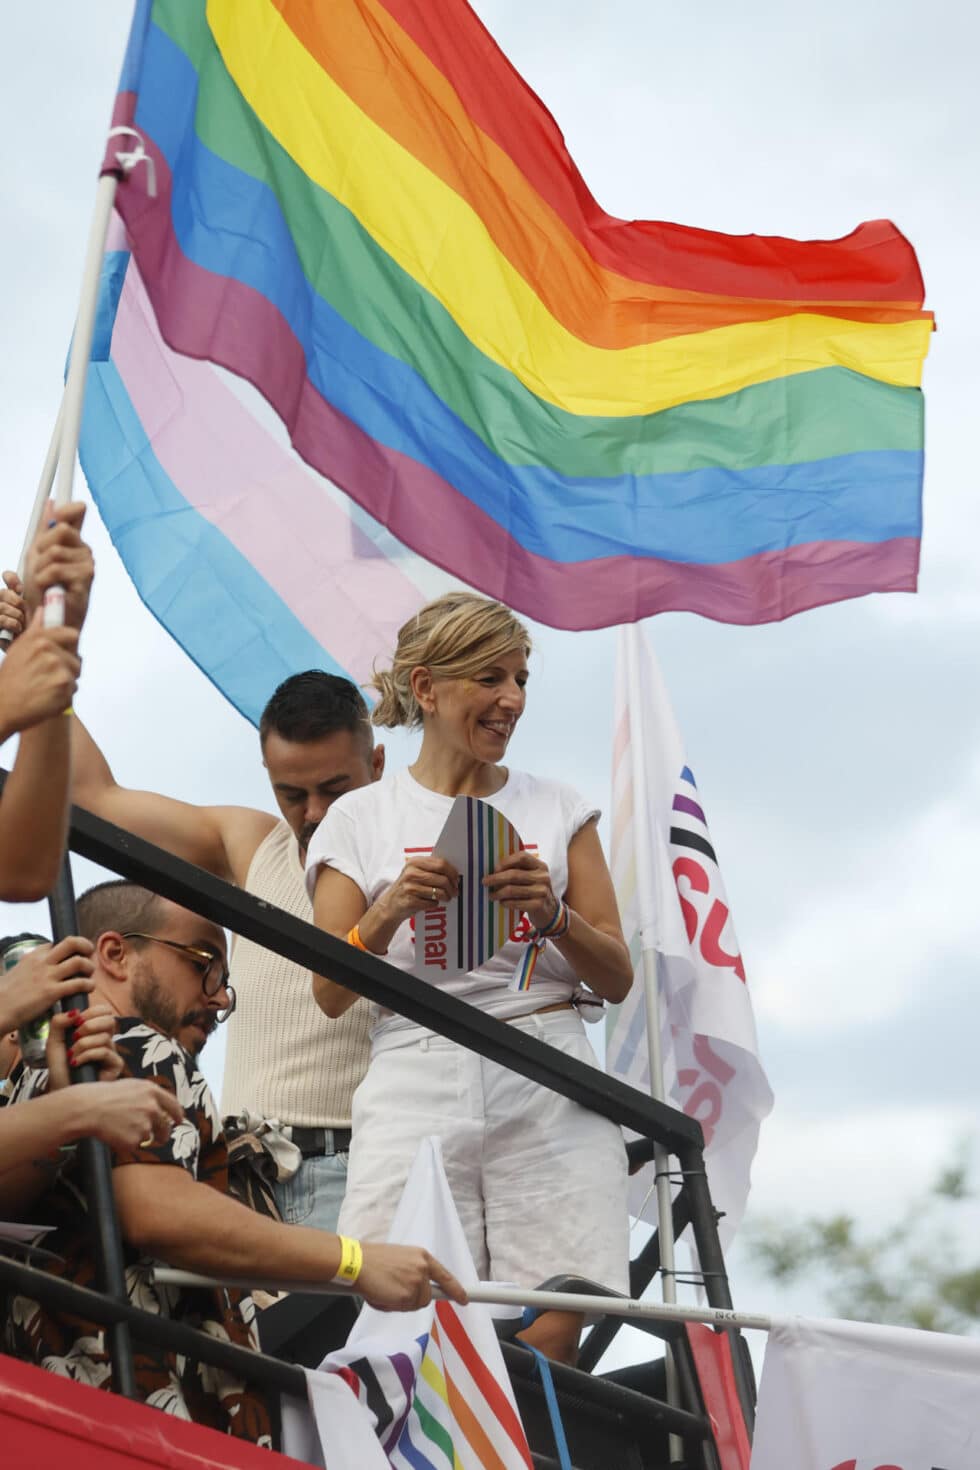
pixel 539 1181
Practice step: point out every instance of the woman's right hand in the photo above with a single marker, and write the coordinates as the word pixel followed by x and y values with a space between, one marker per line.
pixel 43 976
pixel 423 884
pixel 127 1113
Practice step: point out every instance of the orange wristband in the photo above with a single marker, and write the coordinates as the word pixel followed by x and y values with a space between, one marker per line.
pixel 354 938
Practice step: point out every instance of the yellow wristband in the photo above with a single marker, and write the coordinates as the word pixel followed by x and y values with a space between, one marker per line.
pixel 351 1260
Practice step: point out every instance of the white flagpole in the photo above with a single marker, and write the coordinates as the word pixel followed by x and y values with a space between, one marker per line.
pixel 81 346
pixel 492 1294
pixel 651 993
pixel 40 500
pixel 73 401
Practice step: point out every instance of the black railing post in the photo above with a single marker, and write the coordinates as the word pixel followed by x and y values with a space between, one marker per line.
pixel 704 1223
pixel 97 1168
pixel 225 904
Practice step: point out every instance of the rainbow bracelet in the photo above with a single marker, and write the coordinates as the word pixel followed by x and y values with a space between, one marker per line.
pixel 557 925
pixel 556 928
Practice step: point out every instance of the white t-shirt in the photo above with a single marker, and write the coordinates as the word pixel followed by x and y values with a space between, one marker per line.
pixel 370 834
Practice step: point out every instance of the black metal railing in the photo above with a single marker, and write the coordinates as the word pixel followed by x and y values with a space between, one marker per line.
pixel 232 908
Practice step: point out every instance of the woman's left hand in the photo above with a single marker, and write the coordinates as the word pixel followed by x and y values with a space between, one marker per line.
pixel 523 882
pixel 77 1038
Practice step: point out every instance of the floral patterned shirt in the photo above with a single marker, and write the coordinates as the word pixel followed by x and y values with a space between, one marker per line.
pixel 76 1349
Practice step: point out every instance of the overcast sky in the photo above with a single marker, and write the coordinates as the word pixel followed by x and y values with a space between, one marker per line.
pixel 837 754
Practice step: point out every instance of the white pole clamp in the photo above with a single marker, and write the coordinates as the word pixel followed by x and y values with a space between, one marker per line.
pixel 127 161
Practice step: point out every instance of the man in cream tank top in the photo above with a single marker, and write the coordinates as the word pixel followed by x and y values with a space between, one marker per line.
pixel 284 1059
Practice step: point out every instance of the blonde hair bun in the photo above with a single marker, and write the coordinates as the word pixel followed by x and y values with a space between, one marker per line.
pixel 453 637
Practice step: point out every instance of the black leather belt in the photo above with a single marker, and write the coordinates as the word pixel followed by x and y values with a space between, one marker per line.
pixel 314 1143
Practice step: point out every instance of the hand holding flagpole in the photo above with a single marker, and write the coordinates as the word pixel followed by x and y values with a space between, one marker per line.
pixel 40 501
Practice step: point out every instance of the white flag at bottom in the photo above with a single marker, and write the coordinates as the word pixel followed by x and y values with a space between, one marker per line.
pixel 848 1396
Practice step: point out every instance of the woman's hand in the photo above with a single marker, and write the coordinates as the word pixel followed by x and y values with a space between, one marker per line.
pixel 423 884
pixel 13 608
pixel 79 1039
pixel 523 882
pixel 127 1114
pixel 44 976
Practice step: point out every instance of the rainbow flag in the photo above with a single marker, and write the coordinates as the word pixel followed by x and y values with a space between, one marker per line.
pixel 365 212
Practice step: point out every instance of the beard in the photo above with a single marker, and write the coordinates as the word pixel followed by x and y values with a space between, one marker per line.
pixel 306 836
pixel 154 1006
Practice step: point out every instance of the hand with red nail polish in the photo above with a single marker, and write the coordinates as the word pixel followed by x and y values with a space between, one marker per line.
pixel 44 976
pixel 92 1045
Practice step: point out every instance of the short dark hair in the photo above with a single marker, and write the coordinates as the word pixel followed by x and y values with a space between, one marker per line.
pixel 117 905
pixel 310 705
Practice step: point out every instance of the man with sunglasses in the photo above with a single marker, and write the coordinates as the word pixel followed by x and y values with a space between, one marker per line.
pixel 163 970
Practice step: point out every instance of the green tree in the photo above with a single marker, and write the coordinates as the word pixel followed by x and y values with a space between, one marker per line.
pixel 911 1274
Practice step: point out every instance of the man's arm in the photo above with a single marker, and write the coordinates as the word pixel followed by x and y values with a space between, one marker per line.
pixel 34 813
pixel 38 679
pixel 222 839
pixel 166 1214
pixel 120 1113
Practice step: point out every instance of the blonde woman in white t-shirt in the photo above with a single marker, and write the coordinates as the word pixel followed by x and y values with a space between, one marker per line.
pixel 539 1182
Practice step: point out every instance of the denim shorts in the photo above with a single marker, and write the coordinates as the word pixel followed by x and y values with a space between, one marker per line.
pixel 315 1193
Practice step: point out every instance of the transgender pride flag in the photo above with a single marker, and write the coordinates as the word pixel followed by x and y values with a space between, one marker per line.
pixel 434 1381
pixel 254 563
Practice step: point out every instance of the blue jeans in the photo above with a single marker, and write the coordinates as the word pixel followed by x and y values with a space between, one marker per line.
pixel 315 1193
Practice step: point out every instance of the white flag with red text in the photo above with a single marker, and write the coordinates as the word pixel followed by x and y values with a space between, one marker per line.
pixel 672 901
pixel 848 1396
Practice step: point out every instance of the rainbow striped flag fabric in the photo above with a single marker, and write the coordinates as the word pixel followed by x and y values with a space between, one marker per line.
pixel 433 1381
pixel 363 211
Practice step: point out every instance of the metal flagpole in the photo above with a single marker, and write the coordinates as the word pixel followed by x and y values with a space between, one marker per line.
pixel 651 995
pixel 493 1294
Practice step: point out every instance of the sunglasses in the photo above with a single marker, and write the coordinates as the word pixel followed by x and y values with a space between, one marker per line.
pixel 210 966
